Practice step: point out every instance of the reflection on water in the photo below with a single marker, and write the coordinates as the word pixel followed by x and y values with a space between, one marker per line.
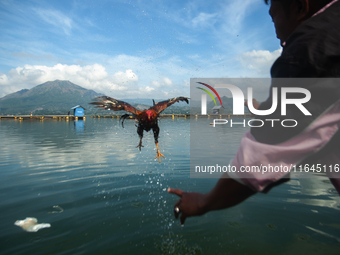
pixel 79 126
pixel 101 195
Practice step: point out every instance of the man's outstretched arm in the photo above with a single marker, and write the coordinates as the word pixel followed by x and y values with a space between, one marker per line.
pixel 226 193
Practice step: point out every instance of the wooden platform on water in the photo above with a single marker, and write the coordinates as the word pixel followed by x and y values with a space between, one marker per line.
pixel 213 116
pixel 71 117
pixel 161 116
pixel 42 117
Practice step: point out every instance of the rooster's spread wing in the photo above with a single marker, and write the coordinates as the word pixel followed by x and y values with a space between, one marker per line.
pixel 109 103
pixel 160 106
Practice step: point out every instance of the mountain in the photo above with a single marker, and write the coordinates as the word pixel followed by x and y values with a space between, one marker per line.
pixel 52 97
pixel 58 97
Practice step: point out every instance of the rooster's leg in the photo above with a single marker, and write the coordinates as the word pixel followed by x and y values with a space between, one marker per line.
pixel 155 130
pixel 159 154
pixel 140 144
pixel 140 133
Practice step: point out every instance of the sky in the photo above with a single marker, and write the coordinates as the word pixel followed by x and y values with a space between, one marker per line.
pixel 133 49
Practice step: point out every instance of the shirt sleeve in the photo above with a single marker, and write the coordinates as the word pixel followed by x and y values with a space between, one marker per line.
pixel 259 165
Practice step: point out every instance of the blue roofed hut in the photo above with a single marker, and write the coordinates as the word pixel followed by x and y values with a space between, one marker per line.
pixel 78 111
pixel 217 109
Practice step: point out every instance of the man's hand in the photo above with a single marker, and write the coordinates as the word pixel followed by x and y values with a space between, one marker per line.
pixel 226 193
pixel 190 204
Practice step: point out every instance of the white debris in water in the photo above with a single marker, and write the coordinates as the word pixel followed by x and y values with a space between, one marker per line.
pixel 31 224
pixel 60 210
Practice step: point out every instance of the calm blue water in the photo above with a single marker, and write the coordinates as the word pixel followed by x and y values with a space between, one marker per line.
pixel 114 198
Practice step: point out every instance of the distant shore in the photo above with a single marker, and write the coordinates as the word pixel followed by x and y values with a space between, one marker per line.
pixel 72 117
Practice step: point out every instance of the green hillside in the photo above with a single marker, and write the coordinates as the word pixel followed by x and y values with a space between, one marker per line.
pixel 53 97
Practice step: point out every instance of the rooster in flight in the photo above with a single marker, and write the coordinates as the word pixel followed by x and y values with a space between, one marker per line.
pixel 146 120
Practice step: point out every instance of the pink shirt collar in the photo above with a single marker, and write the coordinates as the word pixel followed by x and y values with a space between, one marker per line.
pixel 318 12
pixel 325 7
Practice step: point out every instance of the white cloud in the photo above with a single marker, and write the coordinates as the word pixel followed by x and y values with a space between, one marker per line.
pixel 127 76
pixel 204 20
pixel 155 84
pixel 234 15
pixel 186 83
pixel 92 77
pixel 56 18
pixel 165 82
pixel 259 60
pixel 147 89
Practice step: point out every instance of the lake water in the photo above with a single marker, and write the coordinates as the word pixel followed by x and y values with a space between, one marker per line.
pixel 102 196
